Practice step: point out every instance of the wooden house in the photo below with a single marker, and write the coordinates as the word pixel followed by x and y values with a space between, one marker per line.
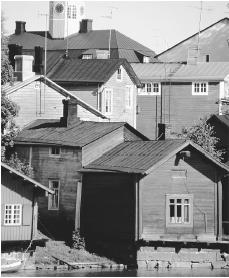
pixel 108 85
pixel 167 191
pixel 57 150
pixel 179 95
pixel 213 45
pixel 19 211
pixel 40 98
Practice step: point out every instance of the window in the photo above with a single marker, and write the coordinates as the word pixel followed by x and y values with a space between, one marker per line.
pixel 153 89
pixel 13 214
pixel 87 56
pixel 71 12
pixel 200 88
pixel 54 151
pixel 128 97
pixel 53 199
pixel 108 101
pixel 146 59
pixel 179 210
pixel 119 74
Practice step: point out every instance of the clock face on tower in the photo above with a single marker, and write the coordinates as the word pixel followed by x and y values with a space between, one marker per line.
pixel 59 8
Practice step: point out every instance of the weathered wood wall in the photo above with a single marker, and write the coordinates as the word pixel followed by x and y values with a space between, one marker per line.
pixel 107 208
pixel 200 182
pixel 16 191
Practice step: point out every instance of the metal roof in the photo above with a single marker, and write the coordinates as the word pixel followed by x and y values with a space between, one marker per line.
pixel 213 41
pixel 26 178
pixel 141 157
pixel 79 134
pixel 89 70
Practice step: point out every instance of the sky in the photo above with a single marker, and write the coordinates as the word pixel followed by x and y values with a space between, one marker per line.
pixel 155 24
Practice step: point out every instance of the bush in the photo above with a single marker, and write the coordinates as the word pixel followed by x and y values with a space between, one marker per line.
pixel 77 241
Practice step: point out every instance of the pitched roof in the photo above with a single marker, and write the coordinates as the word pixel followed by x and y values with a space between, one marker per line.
pixel 9 89
pixel 212 71
pixel 143 156
pixel 96 39
pixel 79 134
pixel 224 119
pixel 89 70
pixel 26 178
pixel 209 44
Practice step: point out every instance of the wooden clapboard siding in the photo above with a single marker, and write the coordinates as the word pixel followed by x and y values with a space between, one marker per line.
pixel 200 182
pixel 16 191
pixel 148 115
pixel 28 99
pixel 86 115
pixel 108 207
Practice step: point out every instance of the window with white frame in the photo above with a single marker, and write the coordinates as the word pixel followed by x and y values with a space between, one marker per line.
pixel 13 214
pixel 153 89
pixel 71 11
pixel 128 96
pixel 108 101
pixel 146 59
pixel 87 56
pixel 54 151
pixel 53 199
pixel 119 74
pixel 199 88
pixel 179 210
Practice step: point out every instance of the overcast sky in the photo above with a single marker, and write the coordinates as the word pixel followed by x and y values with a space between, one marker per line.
pixel 156 24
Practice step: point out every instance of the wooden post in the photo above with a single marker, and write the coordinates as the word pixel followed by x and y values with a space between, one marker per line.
pixel 78 205
pixel 136 200
pixel 220 196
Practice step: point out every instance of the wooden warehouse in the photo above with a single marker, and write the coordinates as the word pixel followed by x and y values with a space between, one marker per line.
pixel 19 212
pixel 154 191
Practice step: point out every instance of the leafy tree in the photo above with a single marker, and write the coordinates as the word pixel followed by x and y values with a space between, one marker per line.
pixel 203 134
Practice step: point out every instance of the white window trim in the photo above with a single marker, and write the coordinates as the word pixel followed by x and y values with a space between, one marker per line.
pixel 119 80
pixel 50 195
pixel 143 91
pixel 179 196
pixel 199 93
pixel 54 155
pixel 111 108
pixel 129 97
pixel 20 218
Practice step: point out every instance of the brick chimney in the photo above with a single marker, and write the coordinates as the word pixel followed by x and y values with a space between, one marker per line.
pixel 23 67
pixel 85 26
pixel 70 112
pixel 20 27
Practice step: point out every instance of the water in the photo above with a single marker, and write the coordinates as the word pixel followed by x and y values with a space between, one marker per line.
pixel 178 272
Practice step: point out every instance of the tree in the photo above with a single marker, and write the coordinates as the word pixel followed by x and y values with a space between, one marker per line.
pixel 203 134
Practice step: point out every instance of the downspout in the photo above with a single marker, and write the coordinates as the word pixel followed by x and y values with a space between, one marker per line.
pixel 32 223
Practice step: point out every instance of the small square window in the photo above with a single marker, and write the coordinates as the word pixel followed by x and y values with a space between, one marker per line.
pixel 200 88
pixel 13 214
pixel 54 151
pixel 179 210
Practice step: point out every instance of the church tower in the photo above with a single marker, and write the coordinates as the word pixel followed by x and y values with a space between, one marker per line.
pixel 65 17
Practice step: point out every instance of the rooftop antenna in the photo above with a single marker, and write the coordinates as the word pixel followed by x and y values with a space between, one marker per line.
pixel 110 17
pixel 198 37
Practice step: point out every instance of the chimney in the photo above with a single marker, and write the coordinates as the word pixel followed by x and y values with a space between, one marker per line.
pixel 70 112
pixel 14 49
pixel 38 66
pixel 161 131
pixel 23 67
pixel 20 27
pixel 85 26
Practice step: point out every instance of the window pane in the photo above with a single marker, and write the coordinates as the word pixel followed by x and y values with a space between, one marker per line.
pixel 156 87
pixel 149 89
pixel 179 201
pixel 171 200
pixel 186 201
pixel 186 213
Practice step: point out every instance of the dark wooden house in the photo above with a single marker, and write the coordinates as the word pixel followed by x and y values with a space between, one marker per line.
pixel 179 95
pixel 19 207
pixel 154 191
pixel 57 150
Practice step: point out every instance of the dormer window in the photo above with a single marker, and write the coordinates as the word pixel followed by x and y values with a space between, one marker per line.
pixel 119 74
pixel 199 88
pixel 54 151
pixel 87 56
pixel 146 59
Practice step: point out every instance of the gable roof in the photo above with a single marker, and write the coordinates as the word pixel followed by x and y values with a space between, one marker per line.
pixel 95 39
pixel 26 178
pixel 9 89
pixel 224 119
pixel 142 157
pixel 209 44
pixel 79 134
pixel 212 71
pixel 89 70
